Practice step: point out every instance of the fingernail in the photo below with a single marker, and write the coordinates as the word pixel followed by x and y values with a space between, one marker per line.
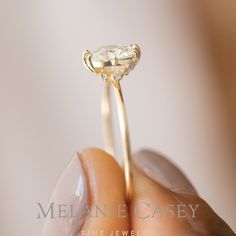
pixel 162 171
pixel 69 201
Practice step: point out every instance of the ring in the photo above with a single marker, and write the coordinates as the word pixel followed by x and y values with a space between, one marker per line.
pixel 112 63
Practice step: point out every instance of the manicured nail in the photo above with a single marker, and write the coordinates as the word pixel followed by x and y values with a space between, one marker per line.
pixel 163 171
pixel 69 202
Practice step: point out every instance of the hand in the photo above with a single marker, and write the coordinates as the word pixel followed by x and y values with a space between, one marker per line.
pixel 164 201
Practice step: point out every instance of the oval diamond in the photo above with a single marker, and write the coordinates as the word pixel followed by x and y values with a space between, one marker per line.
pixel 113 61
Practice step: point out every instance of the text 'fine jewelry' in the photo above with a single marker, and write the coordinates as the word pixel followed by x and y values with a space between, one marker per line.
pixel 112 63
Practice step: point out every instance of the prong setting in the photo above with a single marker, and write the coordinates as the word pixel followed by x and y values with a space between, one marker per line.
pixel 112 62
pixel 87 61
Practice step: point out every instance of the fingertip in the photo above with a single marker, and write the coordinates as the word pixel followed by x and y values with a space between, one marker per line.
pixel 106 190
pixel 163 171
pixel 103 174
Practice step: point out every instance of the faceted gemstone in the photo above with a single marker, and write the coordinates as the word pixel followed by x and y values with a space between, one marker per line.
pixel 114 61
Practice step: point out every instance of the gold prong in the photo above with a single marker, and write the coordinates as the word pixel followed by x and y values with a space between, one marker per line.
pixel 137 51
pixel 87 61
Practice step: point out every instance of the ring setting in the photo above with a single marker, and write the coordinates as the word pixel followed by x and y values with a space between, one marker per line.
pixel 112 62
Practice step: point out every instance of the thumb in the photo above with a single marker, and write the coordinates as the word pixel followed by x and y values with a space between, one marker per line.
pixel 89 198
pixel 106 190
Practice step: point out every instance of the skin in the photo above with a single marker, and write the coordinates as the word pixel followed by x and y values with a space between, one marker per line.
pixel 101 172
pixel 106 185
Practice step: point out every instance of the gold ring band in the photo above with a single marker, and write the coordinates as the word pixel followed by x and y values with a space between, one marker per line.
pixel 112 63
pixel 108 130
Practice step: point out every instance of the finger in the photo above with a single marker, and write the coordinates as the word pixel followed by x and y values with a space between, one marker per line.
pixel 167 202
pixel 153 208
pixel 106 188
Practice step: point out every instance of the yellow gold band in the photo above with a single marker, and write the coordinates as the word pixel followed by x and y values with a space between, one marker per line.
pixel 108 130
